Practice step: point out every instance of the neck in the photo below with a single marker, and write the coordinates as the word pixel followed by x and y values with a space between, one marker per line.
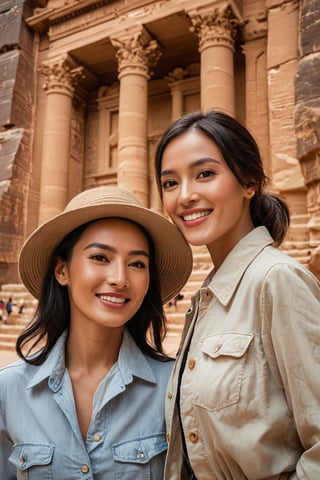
pixel 91 352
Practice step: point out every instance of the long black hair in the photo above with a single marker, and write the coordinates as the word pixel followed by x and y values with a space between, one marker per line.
pixel 52 316
pixel 241 153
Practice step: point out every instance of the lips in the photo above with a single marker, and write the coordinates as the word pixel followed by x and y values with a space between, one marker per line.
pixel 195 215
pixel 113 299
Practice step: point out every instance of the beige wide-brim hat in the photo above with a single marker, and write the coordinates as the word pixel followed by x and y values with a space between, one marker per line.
pixel 173 255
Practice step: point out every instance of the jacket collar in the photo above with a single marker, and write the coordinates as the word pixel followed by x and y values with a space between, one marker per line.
pixel 226 279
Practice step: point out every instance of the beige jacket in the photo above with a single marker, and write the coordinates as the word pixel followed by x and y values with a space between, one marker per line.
pixel 250 389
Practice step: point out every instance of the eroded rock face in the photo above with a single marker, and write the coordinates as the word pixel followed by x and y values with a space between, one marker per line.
pixel 307 121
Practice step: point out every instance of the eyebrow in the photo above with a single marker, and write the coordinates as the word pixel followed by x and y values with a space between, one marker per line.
pixel 103 246
pixel 196 163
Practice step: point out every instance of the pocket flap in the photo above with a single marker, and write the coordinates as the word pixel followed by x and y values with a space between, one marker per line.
pixel 27 455
pixel 227 344
pixel 139 450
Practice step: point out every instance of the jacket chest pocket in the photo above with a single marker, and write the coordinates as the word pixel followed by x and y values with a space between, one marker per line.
pixel 32 461
pixel 133 458
pixel 220 370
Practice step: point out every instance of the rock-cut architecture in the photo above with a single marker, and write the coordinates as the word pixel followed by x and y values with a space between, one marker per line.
pixel 88 86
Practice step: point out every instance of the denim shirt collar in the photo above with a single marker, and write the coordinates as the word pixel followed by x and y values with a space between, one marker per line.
pixel 226 279
pixel 131 363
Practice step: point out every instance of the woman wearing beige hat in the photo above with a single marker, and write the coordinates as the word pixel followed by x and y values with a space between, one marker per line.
pixel 87 399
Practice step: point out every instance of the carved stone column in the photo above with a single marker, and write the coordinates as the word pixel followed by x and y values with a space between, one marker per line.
pixel 182 82
pixel 255 51
pixel 61 78
pixel 135 55
pixel 216 32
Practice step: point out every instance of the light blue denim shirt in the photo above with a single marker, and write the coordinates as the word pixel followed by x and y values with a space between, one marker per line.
pixel 40 437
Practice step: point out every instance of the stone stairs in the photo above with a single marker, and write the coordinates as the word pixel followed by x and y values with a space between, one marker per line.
pixel 176 314
pixel 12 326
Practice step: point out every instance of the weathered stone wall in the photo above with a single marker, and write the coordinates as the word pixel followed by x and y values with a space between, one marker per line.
pixel 307 119
pixel 16 112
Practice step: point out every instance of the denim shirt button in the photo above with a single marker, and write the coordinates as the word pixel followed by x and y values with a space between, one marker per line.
pixel 140 455
pixel 96 437
pixel 84 469
pixel 21 460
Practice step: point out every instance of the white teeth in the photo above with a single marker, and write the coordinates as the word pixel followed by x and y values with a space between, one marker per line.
pixel 109 298
pixel 194 216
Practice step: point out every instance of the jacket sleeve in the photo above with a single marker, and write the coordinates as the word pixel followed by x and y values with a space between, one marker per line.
pixel 7 470
pixel 291 315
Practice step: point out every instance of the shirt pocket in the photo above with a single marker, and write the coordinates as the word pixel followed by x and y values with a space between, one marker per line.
pixel 220 370
pixel 133 457
pixel 33 461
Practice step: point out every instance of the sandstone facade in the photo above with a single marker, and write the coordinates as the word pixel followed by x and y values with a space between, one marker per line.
pixel 88 86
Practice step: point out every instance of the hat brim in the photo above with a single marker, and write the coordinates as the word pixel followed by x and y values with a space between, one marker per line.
pixel 173 255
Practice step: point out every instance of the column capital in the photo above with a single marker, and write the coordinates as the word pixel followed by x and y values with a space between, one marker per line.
pixel 216 28
pixel 255 27
pixel 136 54
pixel 61 75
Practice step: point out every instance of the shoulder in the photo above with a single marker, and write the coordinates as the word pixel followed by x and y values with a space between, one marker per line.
pixel 285 279
pixel 275 262
pixel 17 371
pixel 161 371
pixel 14 379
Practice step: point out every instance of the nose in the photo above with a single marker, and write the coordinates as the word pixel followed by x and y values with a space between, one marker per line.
pixel 188 195
pixel 117 275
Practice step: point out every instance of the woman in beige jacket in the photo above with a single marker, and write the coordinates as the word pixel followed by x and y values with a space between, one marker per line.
pixel 243 401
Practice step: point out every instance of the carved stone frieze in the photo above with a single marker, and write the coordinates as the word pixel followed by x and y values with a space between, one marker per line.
pixel 179 73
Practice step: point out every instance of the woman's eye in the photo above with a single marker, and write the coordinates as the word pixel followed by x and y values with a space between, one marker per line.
pixel 99 257
pixel 138 264
pixel 206 173
pixel 168 184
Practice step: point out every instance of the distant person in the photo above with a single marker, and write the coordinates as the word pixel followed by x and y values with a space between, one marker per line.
pixel 2 309
pixel 9 309
pixel 89 403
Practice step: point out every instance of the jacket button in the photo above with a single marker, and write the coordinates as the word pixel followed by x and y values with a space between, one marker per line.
pixel 96 437
pixel 216 348
pixel 193 437
pixel 169 395
pixel 191 364
pixel 84 469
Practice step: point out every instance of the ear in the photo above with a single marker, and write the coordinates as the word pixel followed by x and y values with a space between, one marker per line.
pixel 61 271
pixel 249 192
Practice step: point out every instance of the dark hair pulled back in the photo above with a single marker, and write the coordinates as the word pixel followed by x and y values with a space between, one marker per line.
pixel 241 153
